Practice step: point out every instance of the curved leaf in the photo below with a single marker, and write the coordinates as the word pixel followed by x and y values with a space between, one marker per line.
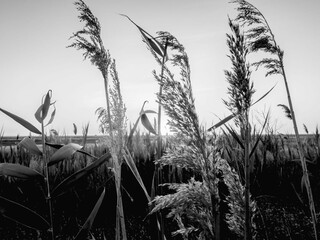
pixel 46 105
pixel 82 234
pixel 223 121
pixel 69 182
pixel 259 136
pixel 130 162
pixel 19 171
pixel 146 123
pixel 64 152
pixel 155 45
pixel 55 145
pixel 148 111
pixel 263 96
pixel 235 136
pixel 42 111
pixel 75 130
pixel 129 141
pixel 23 122
pixel 37 114
pixel 22 214
pixel 58 146
pixel 30 145
pixel 52 116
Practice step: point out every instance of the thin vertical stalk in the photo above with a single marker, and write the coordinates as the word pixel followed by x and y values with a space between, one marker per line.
pixel 247 232
pixel 297 136
pixel 159 139
pixel 296 131
pixel 49 200
pixel 301 155
pixel 159 153
pixel 120 223
pixel 89 40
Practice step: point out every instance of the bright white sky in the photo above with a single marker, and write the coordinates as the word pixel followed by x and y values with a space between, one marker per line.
pixel 34 58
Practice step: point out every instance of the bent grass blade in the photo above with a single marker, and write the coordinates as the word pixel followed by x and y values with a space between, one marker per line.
pixel 19 171
pixel 30 145
pixel 64 152
pixel 22 215
pixel 21 121
pixel 82 234
pixel 72 180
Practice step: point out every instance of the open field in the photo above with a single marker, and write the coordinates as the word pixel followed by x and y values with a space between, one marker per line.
pixel 13 140
pixel 238 179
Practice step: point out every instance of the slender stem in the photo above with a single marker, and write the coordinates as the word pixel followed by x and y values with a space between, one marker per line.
pixel 159 152
pixel 159 147
pixel 47 179
pixel 247 179
pixel 301 155
pixel 120 223
pixel 295 127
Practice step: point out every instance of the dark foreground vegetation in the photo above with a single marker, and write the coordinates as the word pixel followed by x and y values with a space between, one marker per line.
pixel 282 209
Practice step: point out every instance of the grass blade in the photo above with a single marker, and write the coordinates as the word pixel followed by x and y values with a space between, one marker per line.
pixel 235 136
pixel 149 39
pixel 64 152
pixel 30 145
pixel 135 172
pixel 46 105
pixel 146 123
pixel 69 182
pixel 259 136
pixel 82 234
pixel 37 114
pixel 129 141
pixel 263 96
pixel 223 121
pixel 75 130
pixel 19 171
pixel 52 117
pixel 58 146
pixel 22 214
pixel 23 122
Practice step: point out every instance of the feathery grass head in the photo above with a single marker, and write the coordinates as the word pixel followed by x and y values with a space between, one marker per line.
pixel 117 110
pixel 260 36
pixel 240 90
pixel 177 97
pixel 88 39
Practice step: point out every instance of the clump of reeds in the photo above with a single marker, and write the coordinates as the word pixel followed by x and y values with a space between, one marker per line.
pixel 112 118
pixel 27 216
pixel 262 39
pixel 89 41
pixel 194 205
pixel 240 100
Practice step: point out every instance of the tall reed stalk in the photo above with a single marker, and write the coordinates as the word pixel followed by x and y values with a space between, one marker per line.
pixel 159 51
pixel 89 40
pixel 262 39
pixel 45 160
pixel 240 97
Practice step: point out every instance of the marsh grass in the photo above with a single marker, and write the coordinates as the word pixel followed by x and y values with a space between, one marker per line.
pixel 240 94
pixel 193 204
pixel 112 118
pixel 202 181
pixel 262 39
